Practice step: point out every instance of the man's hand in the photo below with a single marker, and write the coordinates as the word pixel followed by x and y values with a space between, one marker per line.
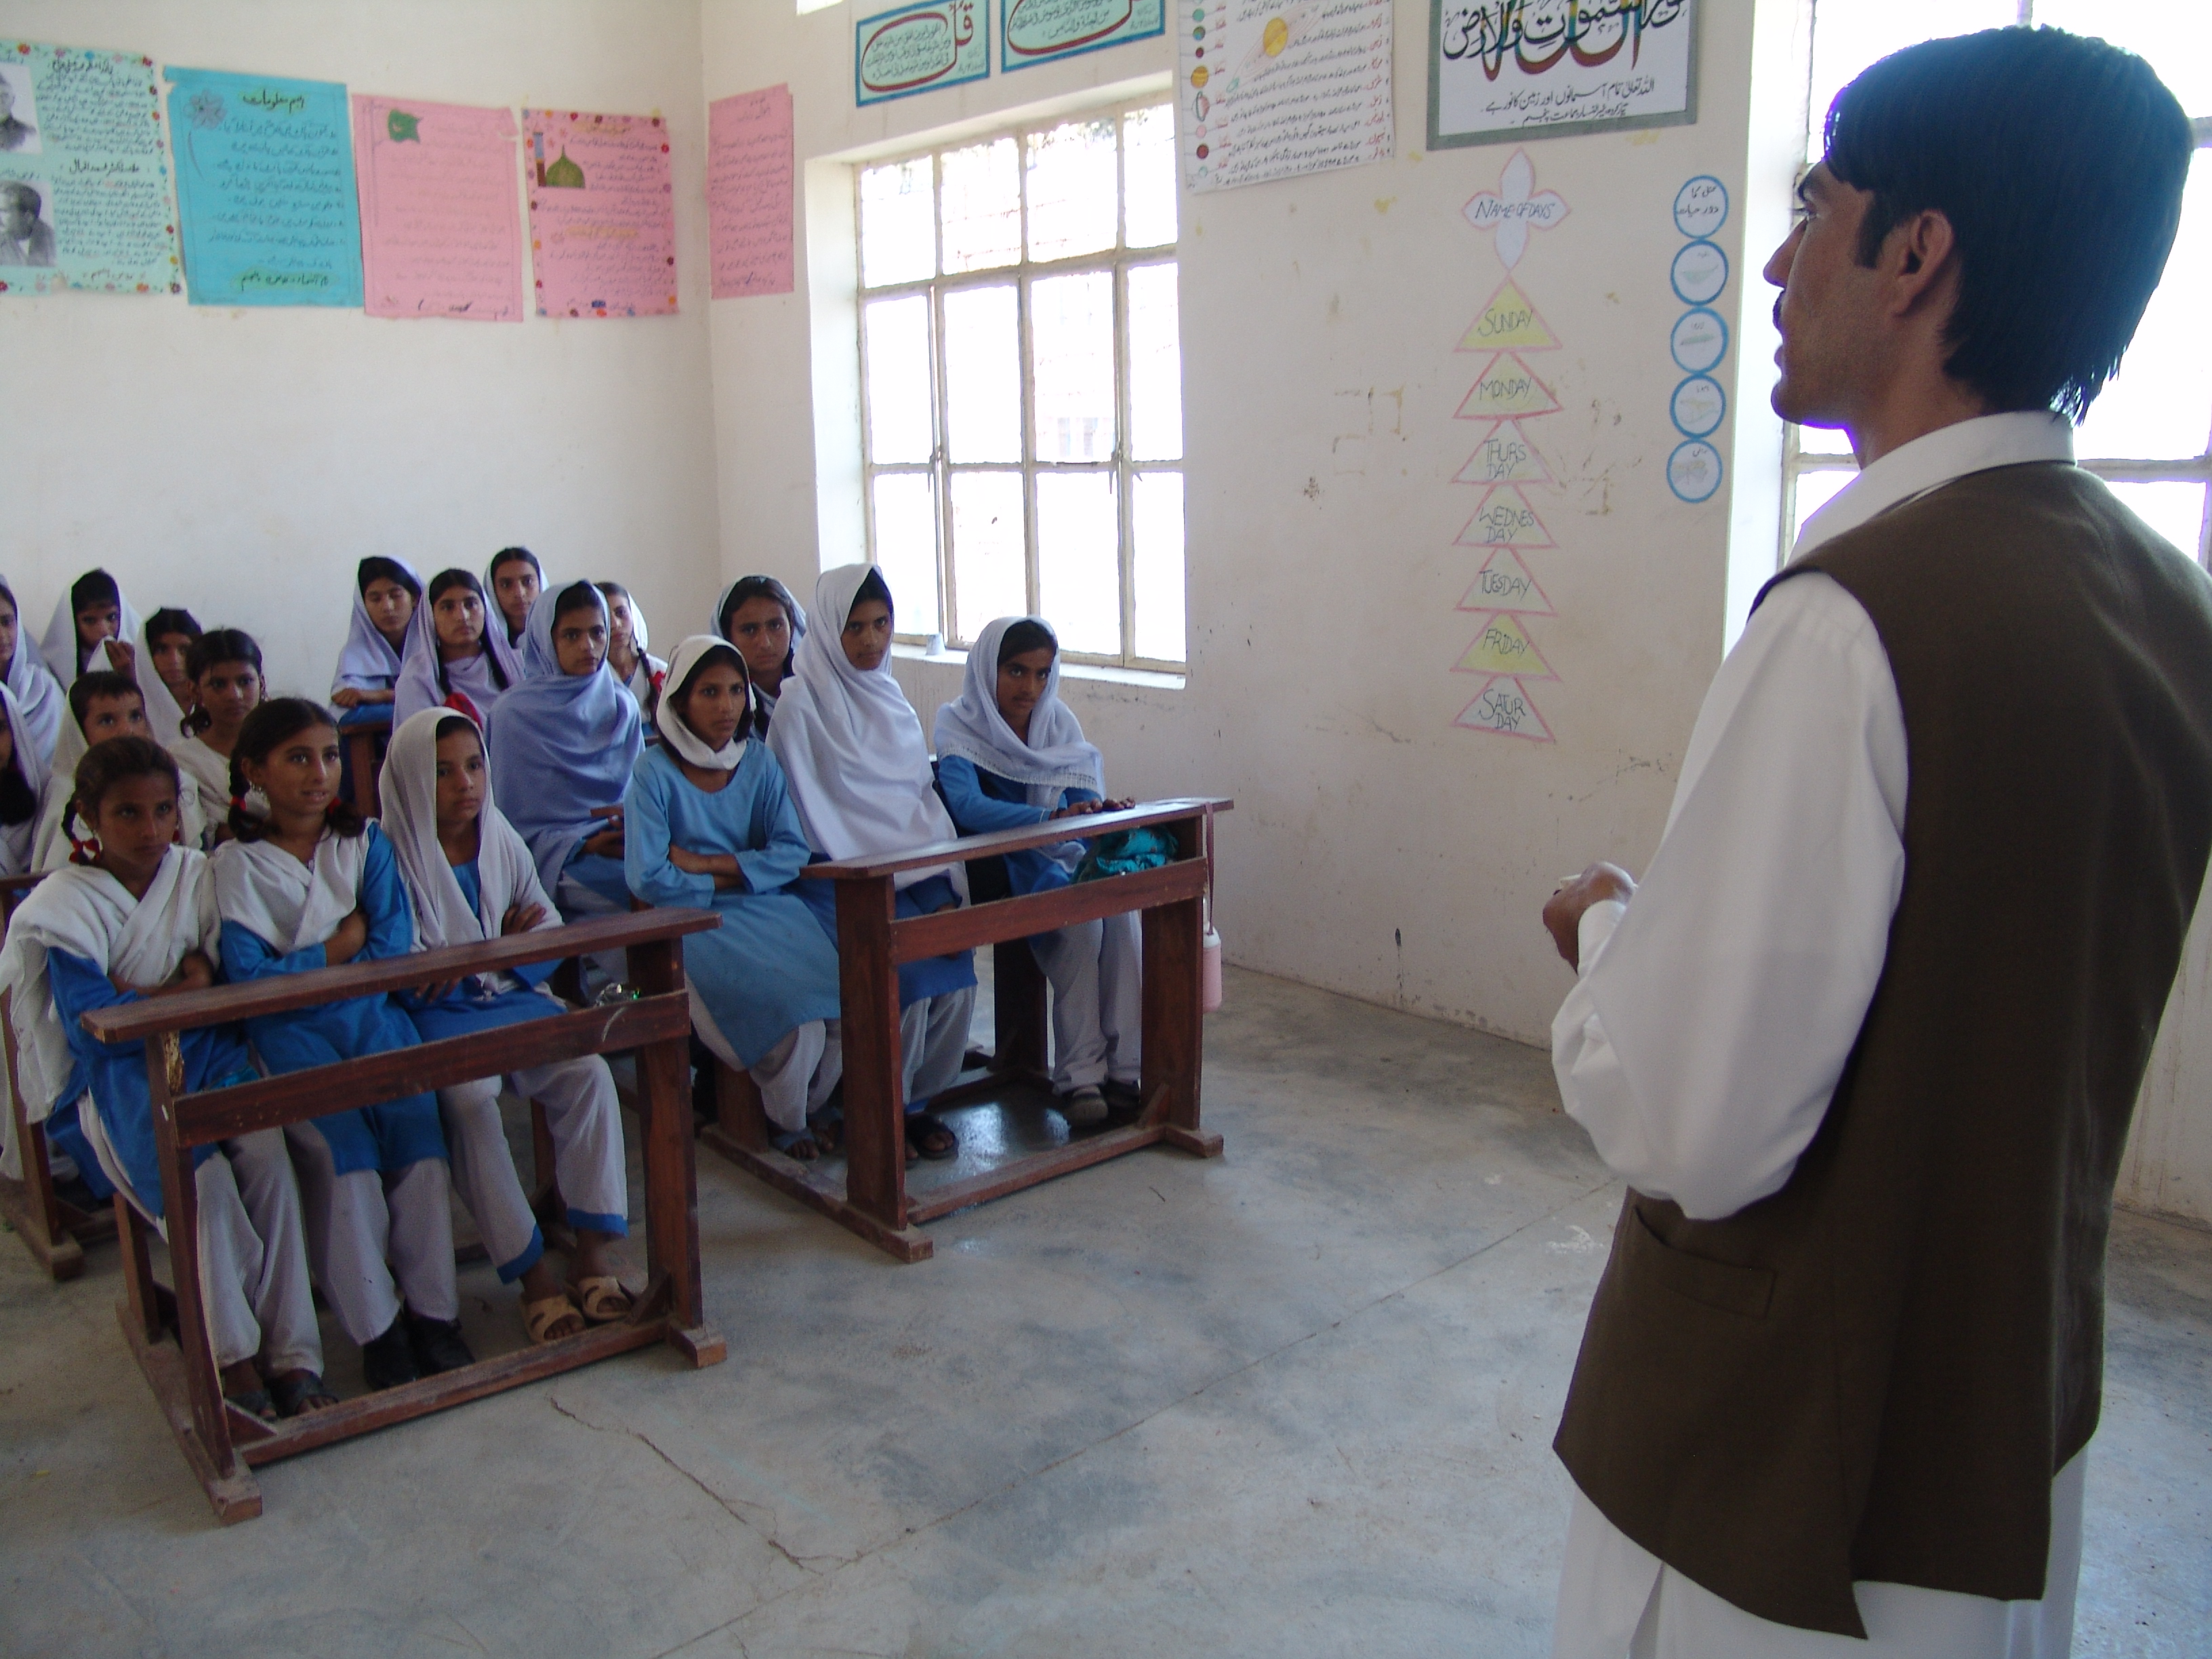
pixel 1563 912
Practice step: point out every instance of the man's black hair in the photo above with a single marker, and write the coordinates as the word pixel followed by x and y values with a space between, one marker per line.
pixel 2060 162
pixel 100 682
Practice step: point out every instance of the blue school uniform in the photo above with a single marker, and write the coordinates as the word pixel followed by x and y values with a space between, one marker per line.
pixel 981 801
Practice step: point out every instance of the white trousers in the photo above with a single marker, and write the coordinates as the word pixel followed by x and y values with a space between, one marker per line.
pixel 584 1117
pixel 1097 1001
pixel 933 1041
pixel 794 1077
pixel 1617 1600
pixel 357 1222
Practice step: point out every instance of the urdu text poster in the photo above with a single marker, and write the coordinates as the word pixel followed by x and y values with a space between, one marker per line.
pixel 750 171
pixel 1517 69
pixel 1273 88
pixel 440 227
pixel 601 214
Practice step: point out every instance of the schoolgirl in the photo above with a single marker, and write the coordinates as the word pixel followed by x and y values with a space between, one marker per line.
pixel 470 877
pixel 757 615
pixel 133 916
pixel 170 634
pixel 19 795
pixel 224 682
pixel 637 669
pixel 1010 755
pixel 859 774
pixel 516 579
pixel 38 695
pixel 562 742
pixel 708 822
pixel 385 594
pixel 312 886
pixel 452 660
pixel 95 627
pixel 102 704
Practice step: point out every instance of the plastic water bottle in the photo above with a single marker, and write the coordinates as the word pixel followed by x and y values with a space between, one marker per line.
pixel 1209 970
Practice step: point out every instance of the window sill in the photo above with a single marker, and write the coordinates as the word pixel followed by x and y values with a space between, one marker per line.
pixel 953 658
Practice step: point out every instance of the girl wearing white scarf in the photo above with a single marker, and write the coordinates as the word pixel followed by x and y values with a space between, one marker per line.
pixel 492 888
pixel 627 638
pixel 998 777
pixel 859 772
pixel 38 694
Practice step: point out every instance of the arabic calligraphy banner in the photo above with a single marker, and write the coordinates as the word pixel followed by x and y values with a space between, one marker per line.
pixel 1502 69
pixel 920 48
pixel 1039 31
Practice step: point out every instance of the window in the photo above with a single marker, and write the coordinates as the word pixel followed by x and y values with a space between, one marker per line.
pixel 2150 433
pixel 1021 384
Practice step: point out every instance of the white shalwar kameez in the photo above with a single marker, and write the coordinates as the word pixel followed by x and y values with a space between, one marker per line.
pixel 1714 1013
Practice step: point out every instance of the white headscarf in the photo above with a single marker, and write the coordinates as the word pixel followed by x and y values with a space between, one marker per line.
pixel 286 904
pixel 367 661
pixel 1055 758
pixel 680 737
pixel 38 694
pixel 852 746
pixel 58 646
pixel 50 850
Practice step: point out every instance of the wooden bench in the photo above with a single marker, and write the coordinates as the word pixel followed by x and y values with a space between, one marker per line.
pixel 54 1230
pixel 872 941
pixel 167 1325
pixel 361 735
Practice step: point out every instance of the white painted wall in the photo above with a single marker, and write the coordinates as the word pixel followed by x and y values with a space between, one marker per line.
pixel 239 462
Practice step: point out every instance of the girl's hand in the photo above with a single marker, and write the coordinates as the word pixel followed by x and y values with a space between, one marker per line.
pixel 521 918
pixel 347 697
pixel 346 943
pixel 691 864
pixel 1078 809
pixel 607 844
pixel 1115 805
pixel 123 654
pixel 194 973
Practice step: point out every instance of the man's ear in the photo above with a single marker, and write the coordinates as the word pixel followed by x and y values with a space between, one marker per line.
pixel 1920 258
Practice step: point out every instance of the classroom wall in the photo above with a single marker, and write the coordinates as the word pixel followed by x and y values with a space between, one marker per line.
pixel 239 462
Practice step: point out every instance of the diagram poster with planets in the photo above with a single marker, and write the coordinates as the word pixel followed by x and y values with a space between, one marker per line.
pixel 1502 69
pixel 1273 88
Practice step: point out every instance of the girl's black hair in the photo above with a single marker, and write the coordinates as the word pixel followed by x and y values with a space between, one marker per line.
pixel 100 682
pixel 19 802
pixel 107 764
pixel 9 594
pixel 270 724
pixel 872 586
pixel 581 596
pixel 94 587
pixel 513 555
pixel 678 697
pixel 1024 637
pixel 443 583
pixel 378 568
pixel 451 724
pixel 215 645
pixel 761 587
pixel 170 619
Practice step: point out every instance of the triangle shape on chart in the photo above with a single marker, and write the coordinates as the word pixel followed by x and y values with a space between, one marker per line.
pixel 1508 323
pixel 1503 647
pixel 1504 455
pixel 1504 583
pixel 1503 706
pixel 1503 518
pixel 1506 387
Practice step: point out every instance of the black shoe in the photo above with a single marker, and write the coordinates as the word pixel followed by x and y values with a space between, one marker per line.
pixel 389 1360
pixel 1123 1096
pixel 437 1344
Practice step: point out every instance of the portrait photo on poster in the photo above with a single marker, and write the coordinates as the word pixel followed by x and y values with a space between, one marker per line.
pixel 1501 70
pixel 18 113
pixel 27 235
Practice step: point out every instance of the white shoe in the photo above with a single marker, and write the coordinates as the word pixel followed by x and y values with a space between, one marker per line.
pixel 1082 1107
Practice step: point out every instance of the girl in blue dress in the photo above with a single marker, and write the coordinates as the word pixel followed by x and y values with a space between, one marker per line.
pixel 453 659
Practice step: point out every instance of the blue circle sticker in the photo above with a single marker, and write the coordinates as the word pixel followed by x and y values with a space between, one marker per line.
pixel 1698 405
pixel 1699 272
pixel 1701 206
pixel 1699 340
pixel 1693 470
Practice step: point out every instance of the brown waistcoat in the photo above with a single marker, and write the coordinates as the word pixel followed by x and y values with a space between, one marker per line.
pixel 1875 1373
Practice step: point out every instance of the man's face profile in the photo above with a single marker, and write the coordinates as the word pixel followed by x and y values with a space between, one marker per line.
pixel 1830 311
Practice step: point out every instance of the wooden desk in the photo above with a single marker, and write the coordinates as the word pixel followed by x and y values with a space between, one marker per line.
pixel 872 941
pixel 222 1443
pixel 361 739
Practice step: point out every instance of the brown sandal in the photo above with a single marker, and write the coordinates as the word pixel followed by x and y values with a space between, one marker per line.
pixel 602 1298
pixel 539 1318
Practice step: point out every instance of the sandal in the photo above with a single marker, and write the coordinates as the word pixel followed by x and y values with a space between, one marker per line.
pixel 929 1136
pixel 798 1145
pixel 828 1128
pixel 602 1298
pixel 255 1403
pixel 539 1318
pixel 301 1393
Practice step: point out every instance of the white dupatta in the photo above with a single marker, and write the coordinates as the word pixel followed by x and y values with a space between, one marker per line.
pixel 289 904
pixel 51 849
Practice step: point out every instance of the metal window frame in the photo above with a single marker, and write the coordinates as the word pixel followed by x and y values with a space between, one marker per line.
pixel 1022 274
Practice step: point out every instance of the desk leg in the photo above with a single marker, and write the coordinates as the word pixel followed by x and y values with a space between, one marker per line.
pixel 875 1096
pixel 362 755
pixel 1017 1009
pixel 671 1190
pixel 1174 1026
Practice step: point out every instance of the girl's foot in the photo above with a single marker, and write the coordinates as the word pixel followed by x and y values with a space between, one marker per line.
pixel 241 1386
pixel 387 1361
pixel 436 1344
pixel 1082 1107
pixel 595 1281
pixel 547 1313
pixel 927 1135
pixel 798 1145
pixel 297 1394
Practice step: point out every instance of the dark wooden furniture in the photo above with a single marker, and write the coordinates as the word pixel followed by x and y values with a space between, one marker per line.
pixel 871 941
pixel 361 738
pixel 167 1326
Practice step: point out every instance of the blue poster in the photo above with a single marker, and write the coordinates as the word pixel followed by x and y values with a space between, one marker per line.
pixel 265 188
pixel 920 48
pixel 1039 31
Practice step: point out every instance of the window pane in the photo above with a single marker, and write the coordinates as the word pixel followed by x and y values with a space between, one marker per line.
pixel 2176 511
pixel 1148 171
pixel 1071 328
pixel 1850 35
pixel 906 551
pixel 982 375
pixel 1814 491
pixel 982 207
pixel 2159 404
pixel 899 419
pixel 1078 578
pixel 1072 188
pixel 898 231
pixel 1823 441
pixel 1155 366
pixel 2175 35
pixel 987 578
pixel 1156 524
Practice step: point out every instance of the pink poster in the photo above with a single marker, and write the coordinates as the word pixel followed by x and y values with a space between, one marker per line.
pixel 602 214
pixel 748 193
pixel 441 234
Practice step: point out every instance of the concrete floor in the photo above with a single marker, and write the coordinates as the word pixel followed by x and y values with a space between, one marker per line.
pixel 1297 1401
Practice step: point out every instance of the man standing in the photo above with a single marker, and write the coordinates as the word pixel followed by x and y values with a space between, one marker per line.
pixel 1865 1042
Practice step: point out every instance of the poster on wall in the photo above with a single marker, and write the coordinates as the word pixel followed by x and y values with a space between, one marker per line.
pixel 601 214
pixel 750 172
pixel 1038 31
pixel 1502 69
pixel 920 48
pixel 1273 88
pixel 440 236
pixel 85 196
pixel 265 185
